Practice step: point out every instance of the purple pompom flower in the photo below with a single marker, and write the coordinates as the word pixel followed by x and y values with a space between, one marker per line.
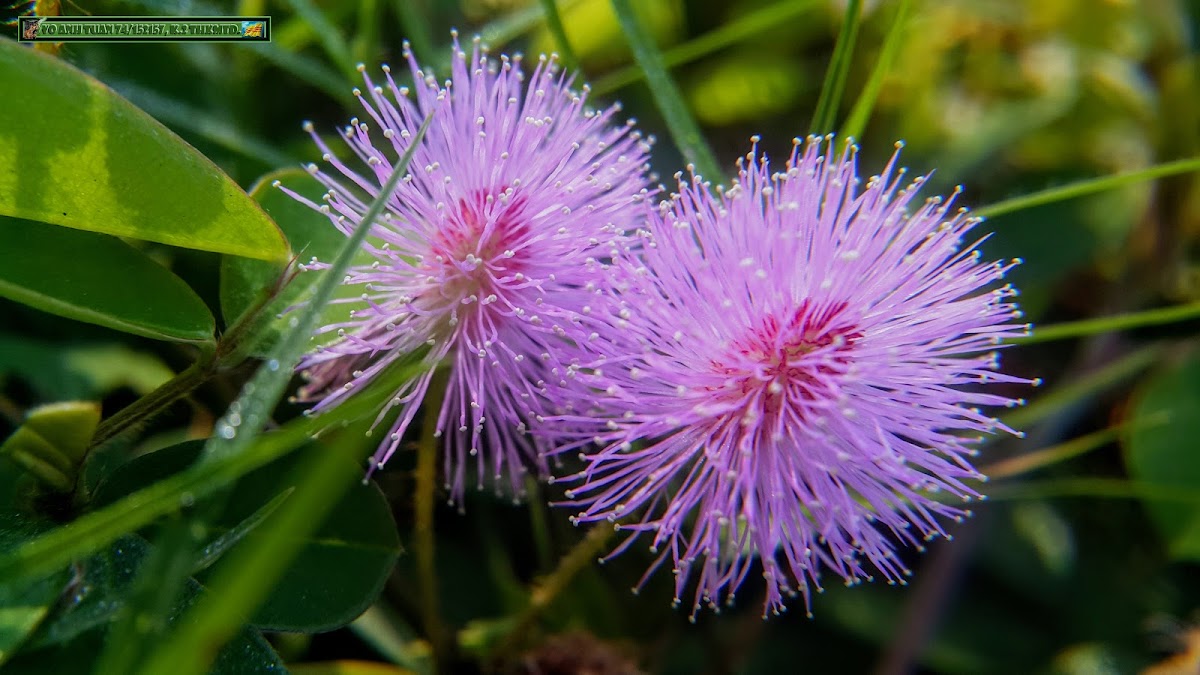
pixel 794 374
pixel 486 254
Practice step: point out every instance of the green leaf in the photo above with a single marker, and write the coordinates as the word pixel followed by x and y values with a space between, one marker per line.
pixel 342 564
pixel 98 279
pixel 555 24
pixel 97 529
pixel 1164 455
pixel 738 29
pixel 74 153
pixel 244 282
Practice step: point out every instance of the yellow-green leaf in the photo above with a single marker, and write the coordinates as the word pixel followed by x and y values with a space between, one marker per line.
pixel 74 153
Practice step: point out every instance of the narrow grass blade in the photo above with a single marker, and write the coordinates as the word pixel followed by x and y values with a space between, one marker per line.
pixel 1061 452
pixel 741 28
pixel 305 69
pixel 667 96
pixel 1108 324
pixel 1088 187
pixel 243 582
pixel 513 25
pixel 861 112
pixel 555 24
pixel 416 28
pixel 327 33
pixel 184 116
pixel 839 70
pixel 1104 488
pixel 1073 392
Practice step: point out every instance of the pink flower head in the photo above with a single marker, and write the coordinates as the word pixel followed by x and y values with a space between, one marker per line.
pixel 797 373
pixel 488 250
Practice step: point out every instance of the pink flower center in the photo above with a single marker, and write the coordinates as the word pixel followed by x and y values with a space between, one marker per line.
pixel 476 257
pixel 796 359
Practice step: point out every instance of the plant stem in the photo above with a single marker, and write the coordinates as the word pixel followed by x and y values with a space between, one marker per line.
pixel 156 401
pixel 549 588
pixel 426 491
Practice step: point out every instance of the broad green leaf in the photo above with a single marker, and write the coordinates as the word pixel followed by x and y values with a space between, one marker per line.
pixel 244 282
pixel 1166 456
pixel 74 153
pixel 98 279
pixel 343 563
pixel 97 529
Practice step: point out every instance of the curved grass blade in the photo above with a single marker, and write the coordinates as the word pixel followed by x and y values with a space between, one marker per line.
pixel 328 34
pixel 319 485
pixel 1088 187
pixel 416 28
pixel 667 96
pixel 839 70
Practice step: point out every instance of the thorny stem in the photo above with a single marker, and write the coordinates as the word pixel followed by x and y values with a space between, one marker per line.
pixel 426 491
pixel 546 591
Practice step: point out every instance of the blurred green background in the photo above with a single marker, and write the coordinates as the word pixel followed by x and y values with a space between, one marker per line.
pixel 1086 558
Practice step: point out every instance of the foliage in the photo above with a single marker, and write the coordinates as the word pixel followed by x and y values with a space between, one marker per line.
pixel 148 273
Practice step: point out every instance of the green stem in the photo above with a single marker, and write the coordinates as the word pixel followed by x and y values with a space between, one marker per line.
pixel 552 586
pixel 155 402
pixel 839 70
pixel 667 96
pixel 1087 187
pixel 426 496
pixel 1107 324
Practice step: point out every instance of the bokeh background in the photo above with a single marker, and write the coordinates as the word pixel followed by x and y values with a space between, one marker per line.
pixel 1085 559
